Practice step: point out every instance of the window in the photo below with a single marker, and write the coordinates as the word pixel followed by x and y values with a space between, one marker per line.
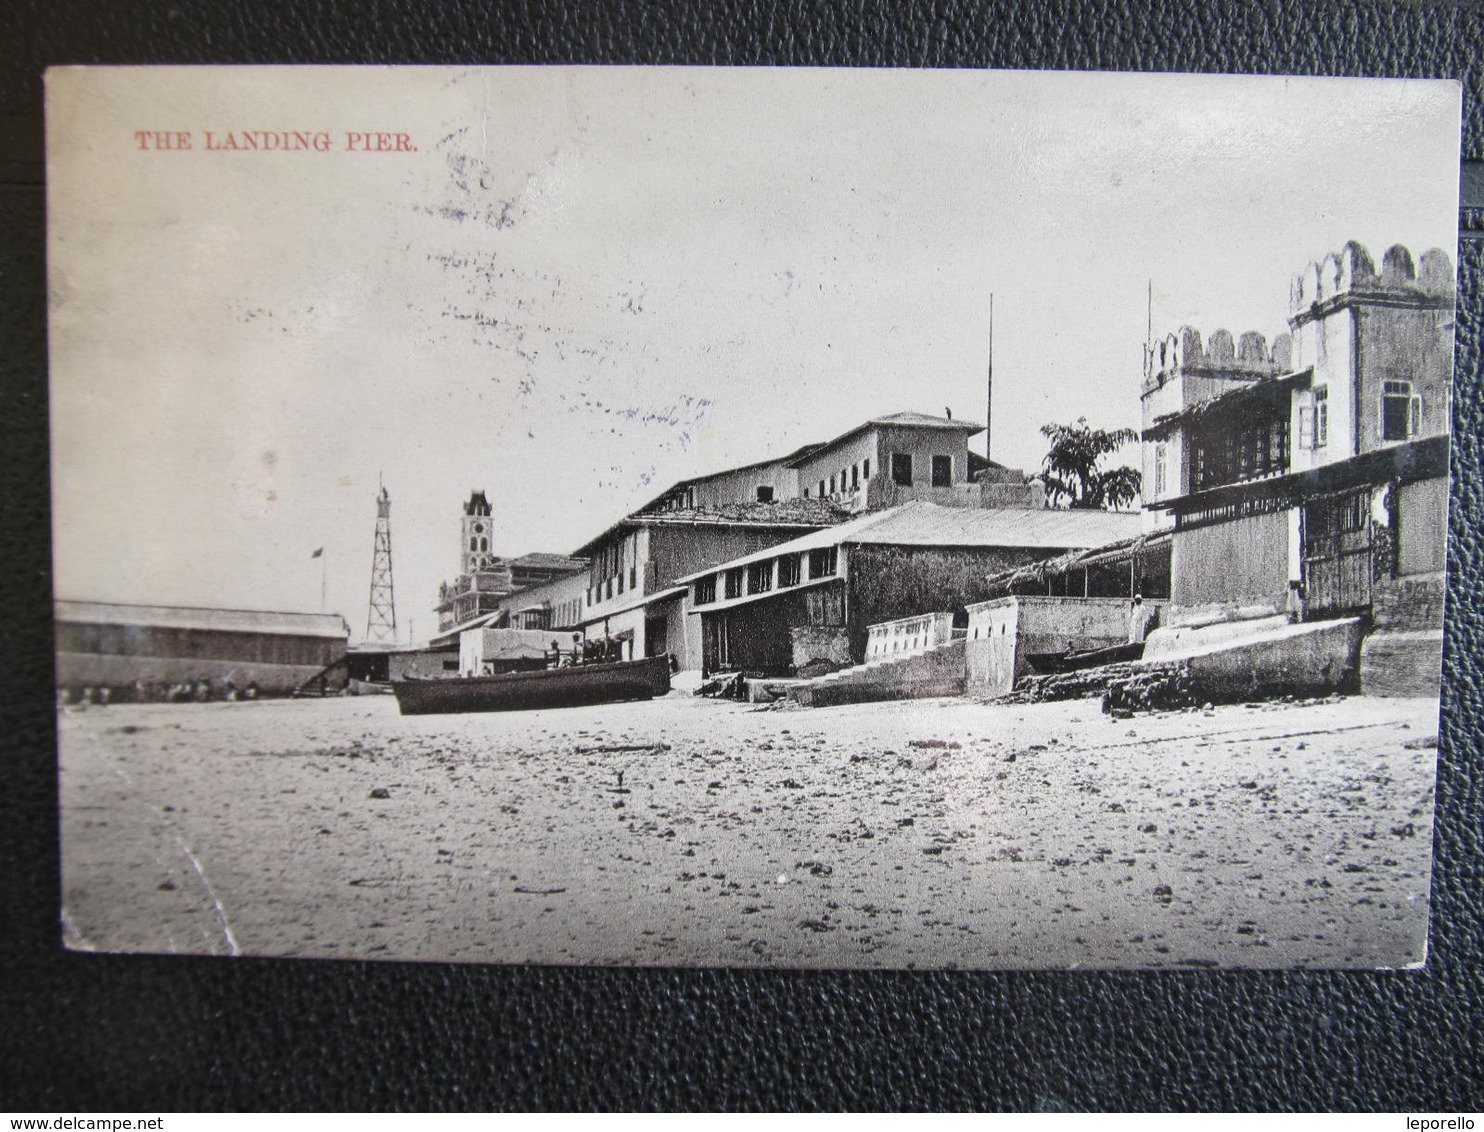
pixel 901 469
pixel 633 577
pixel 832 485
pixel 855 476
pixel 806 493
pixel 821 489
pixel 942 471
pixel 473 544
pixel 760 577
pixel 610 587
pixel 765 495
pixel 1251 449
pixel 1314 421
pixel 824 562
pixel 734 583
pixel 865 469
pixel 706 590
pixel 1277 446
pixel 1399 410
pixel 788 570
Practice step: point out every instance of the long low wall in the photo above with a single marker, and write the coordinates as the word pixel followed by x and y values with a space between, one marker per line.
pixel 1319 656
pixel 908 635
pixel 1005 633
pixel 1310 658
pixel 939 672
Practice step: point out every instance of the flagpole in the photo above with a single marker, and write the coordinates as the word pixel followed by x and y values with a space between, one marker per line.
pixel 322 573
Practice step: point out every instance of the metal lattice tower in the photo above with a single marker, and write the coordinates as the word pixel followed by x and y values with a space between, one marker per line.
pixel 381 617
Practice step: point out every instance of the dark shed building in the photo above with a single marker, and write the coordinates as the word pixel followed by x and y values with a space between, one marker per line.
pixel 814 598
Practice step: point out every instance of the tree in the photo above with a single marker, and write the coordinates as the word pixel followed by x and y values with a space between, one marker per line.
pixel 1071 467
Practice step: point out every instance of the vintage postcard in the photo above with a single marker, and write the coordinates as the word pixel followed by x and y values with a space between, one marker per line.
pixel 750 517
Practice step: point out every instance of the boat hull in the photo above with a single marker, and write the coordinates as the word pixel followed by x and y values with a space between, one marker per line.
pixel 529 691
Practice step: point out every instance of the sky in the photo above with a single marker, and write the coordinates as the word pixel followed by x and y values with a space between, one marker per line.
pixel 570 287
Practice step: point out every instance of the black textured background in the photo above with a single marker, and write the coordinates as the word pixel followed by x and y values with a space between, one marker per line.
pixel 80 1032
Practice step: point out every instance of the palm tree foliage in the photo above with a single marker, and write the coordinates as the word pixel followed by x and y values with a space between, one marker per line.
pixel 1071 468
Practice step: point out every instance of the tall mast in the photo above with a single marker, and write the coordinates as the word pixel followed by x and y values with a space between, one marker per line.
pixel 989 385
pixel 381 616
pixel 1149 332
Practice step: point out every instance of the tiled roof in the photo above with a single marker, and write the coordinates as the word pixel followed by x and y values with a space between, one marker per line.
pixel 783 513
pixel 544 561
pixel 781 461
pixel 190 617
pixel 907 420
pixel 806 512
pixel 924 420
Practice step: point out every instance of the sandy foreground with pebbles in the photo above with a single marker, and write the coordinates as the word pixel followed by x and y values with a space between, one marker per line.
pixel 940 833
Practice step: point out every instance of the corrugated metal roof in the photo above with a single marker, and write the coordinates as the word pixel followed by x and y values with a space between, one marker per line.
pixel 189 617
pixel 927 524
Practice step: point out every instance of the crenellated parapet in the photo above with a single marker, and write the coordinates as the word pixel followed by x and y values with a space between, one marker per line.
pixel 1350 275
pixel 1220 356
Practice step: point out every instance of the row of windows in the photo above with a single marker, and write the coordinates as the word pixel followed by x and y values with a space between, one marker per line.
pixel 902 475
pixel 613 586
pixel 761 577
pixel 1400 415
pixel 901 470
pixel 562 615
pixel 1251 451
pixel 849 479
pixel 1257 450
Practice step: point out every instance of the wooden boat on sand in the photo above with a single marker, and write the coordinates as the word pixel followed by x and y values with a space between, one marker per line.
pixel 572 686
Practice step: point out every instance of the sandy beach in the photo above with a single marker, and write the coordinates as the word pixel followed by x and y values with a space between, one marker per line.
pixel 940 833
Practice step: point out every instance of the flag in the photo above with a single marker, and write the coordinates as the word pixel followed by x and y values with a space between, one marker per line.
pixel 318 553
